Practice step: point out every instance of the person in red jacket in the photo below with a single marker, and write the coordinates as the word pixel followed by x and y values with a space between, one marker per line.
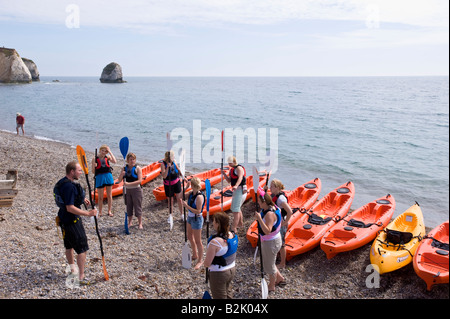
pixel 20 122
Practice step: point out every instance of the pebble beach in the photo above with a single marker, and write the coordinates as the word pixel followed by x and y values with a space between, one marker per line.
pixel 147 263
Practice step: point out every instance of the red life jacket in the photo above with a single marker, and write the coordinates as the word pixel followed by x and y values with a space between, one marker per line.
pixel 99 169
pixel 234 177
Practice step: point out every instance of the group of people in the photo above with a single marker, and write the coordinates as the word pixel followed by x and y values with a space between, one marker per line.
pixel 221 248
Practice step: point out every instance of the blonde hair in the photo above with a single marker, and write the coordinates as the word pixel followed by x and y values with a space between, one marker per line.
pixel 277 183
pixel 103 147
pixel 232 159
pixel 196 182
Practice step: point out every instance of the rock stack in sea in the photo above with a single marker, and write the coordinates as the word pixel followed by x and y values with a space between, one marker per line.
pixel 32 68
pixel 112 73
pixel 12 67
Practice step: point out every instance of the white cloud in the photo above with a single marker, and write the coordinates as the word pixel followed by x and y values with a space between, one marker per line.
pixel 151 14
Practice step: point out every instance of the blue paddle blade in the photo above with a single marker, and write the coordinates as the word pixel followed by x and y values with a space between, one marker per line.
pixel 206 295
pixel 126 224
pixel 123 145
pixel 208 193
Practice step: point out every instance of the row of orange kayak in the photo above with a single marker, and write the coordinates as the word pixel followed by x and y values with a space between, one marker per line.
pixel 329 224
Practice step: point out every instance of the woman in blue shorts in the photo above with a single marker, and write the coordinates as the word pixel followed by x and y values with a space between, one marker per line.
pixel 195 203
pixel 103 176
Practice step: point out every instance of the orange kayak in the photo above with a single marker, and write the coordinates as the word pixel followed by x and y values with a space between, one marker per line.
pixel 308 230
pixel 149 173
pixel 359 227
pixel 431 258
pixel 214 199
pixel 303 196
pixel 213 175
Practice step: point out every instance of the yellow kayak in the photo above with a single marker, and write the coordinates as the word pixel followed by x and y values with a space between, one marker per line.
pixel 395 246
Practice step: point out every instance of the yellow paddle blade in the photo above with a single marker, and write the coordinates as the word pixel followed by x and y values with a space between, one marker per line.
pixel 82 159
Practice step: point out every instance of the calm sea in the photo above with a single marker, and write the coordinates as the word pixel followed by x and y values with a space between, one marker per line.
pixel 386 134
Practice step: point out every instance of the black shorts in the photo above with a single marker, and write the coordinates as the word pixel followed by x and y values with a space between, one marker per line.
pixel 75 237
pixel 171 190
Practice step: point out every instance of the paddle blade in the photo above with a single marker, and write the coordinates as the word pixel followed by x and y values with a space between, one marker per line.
pixel 183 161
pixel 168 141
pixel 82 159
pixel 254 256
pixel 255 179
pixel 186 258
pixel 170 221
pixel 123 145
pixel 264 289
pixel 206 295
pixel 208 193
pixel 127 231
pixel 105 272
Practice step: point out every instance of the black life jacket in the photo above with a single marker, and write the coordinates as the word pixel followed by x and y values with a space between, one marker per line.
pixel 234 178
pixel 130 175
pixel 59 200
pixel 102 166
pixel 192 198
pixel 173 172
pixel 275 198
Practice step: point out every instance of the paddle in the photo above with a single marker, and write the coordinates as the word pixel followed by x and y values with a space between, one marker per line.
pixel 206 294
pixel 169 147
pixel 83 163
pixel 264 287
pixel 123 145
pixel 221 167
pixel 255 188
pixel 186 258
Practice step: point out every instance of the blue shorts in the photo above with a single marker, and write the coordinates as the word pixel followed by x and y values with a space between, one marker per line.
pixel 102 180
pixel 195 222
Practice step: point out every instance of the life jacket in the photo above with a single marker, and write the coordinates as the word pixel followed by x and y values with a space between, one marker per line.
pixel 59 200
pixel 234 177
pixel 102 166
pixel 130 175
pixel 192 200
pixel 64 217
pixel 173 172
pixel 230 255
pixel 275 198
pixel 276 226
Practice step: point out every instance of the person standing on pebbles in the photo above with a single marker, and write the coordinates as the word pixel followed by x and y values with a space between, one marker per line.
pixel 269 224
pixel 171 179
pixel 103 176
pixel 71 197
pixel 221 256
pixel 133 191
pixel 195 204
pixel 238 182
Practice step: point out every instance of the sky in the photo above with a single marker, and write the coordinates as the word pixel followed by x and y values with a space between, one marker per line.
pixel 230 37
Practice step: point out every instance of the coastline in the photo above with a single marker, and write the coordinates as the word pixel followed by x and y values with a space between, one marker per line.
pixel 147 263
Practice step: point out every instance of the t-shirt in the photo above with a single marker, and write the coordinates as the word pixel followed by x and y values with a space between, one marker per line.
pixel 69 193
pixel 20 119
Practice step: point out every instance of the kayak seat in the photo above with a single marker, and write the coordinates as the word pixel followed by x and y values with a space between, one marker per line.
pixel 317 220
pixel 398 237
pixel 359 224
